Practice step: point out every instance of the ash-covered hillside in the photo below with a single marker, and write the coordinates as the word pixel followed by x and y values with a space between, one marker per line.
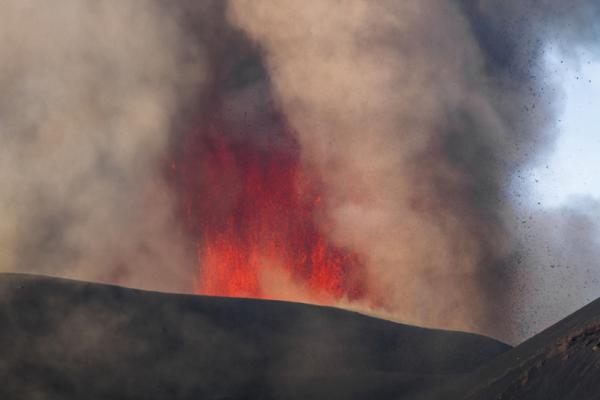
pixel 561 363
pixel 62 339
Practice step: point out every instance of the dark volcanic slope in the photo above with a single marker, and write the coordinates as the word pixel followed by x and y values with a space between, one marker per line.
pixel 73 340
pixel 561 363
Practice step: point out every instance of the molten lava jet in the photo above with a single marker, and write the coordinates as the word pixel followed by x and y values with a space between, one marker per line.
pixel 254 211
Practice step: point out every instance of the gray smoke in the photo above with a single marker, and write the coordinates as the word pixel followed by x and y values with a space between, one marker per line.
pixel 88 93
pixel 554 256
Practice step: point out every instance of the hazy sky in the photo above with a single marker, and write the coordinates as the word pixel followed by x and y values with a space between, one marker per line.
pixel 573 167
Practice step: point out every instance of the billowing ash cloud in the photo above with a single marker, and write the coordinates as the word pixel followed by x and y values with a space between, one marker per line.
pixel 416 116
pixel 88 93
pixel 372 91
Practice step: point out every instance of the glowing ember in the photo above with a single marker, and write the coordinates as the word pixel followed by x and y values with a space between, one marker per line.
pixel 253 210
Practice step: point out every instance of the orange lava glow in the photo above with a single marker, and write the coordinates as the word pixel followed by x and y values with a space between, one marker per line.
pixel 255 210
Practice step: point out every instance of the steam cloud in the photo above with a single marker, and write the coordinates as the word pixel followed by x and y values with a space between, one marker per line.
pixel 417 115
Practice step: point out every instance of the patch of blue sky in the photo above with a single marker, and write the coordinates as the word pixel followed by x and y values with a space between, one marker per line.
pixel 572 169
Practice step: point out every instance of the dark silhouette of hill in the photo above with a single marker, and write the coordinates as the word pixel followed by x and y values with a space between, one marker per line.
pixel 560 363
pixel 62 339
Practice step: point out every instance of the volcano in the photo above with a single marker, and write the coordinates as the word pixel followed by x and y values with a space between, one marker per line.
pixel 62 339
